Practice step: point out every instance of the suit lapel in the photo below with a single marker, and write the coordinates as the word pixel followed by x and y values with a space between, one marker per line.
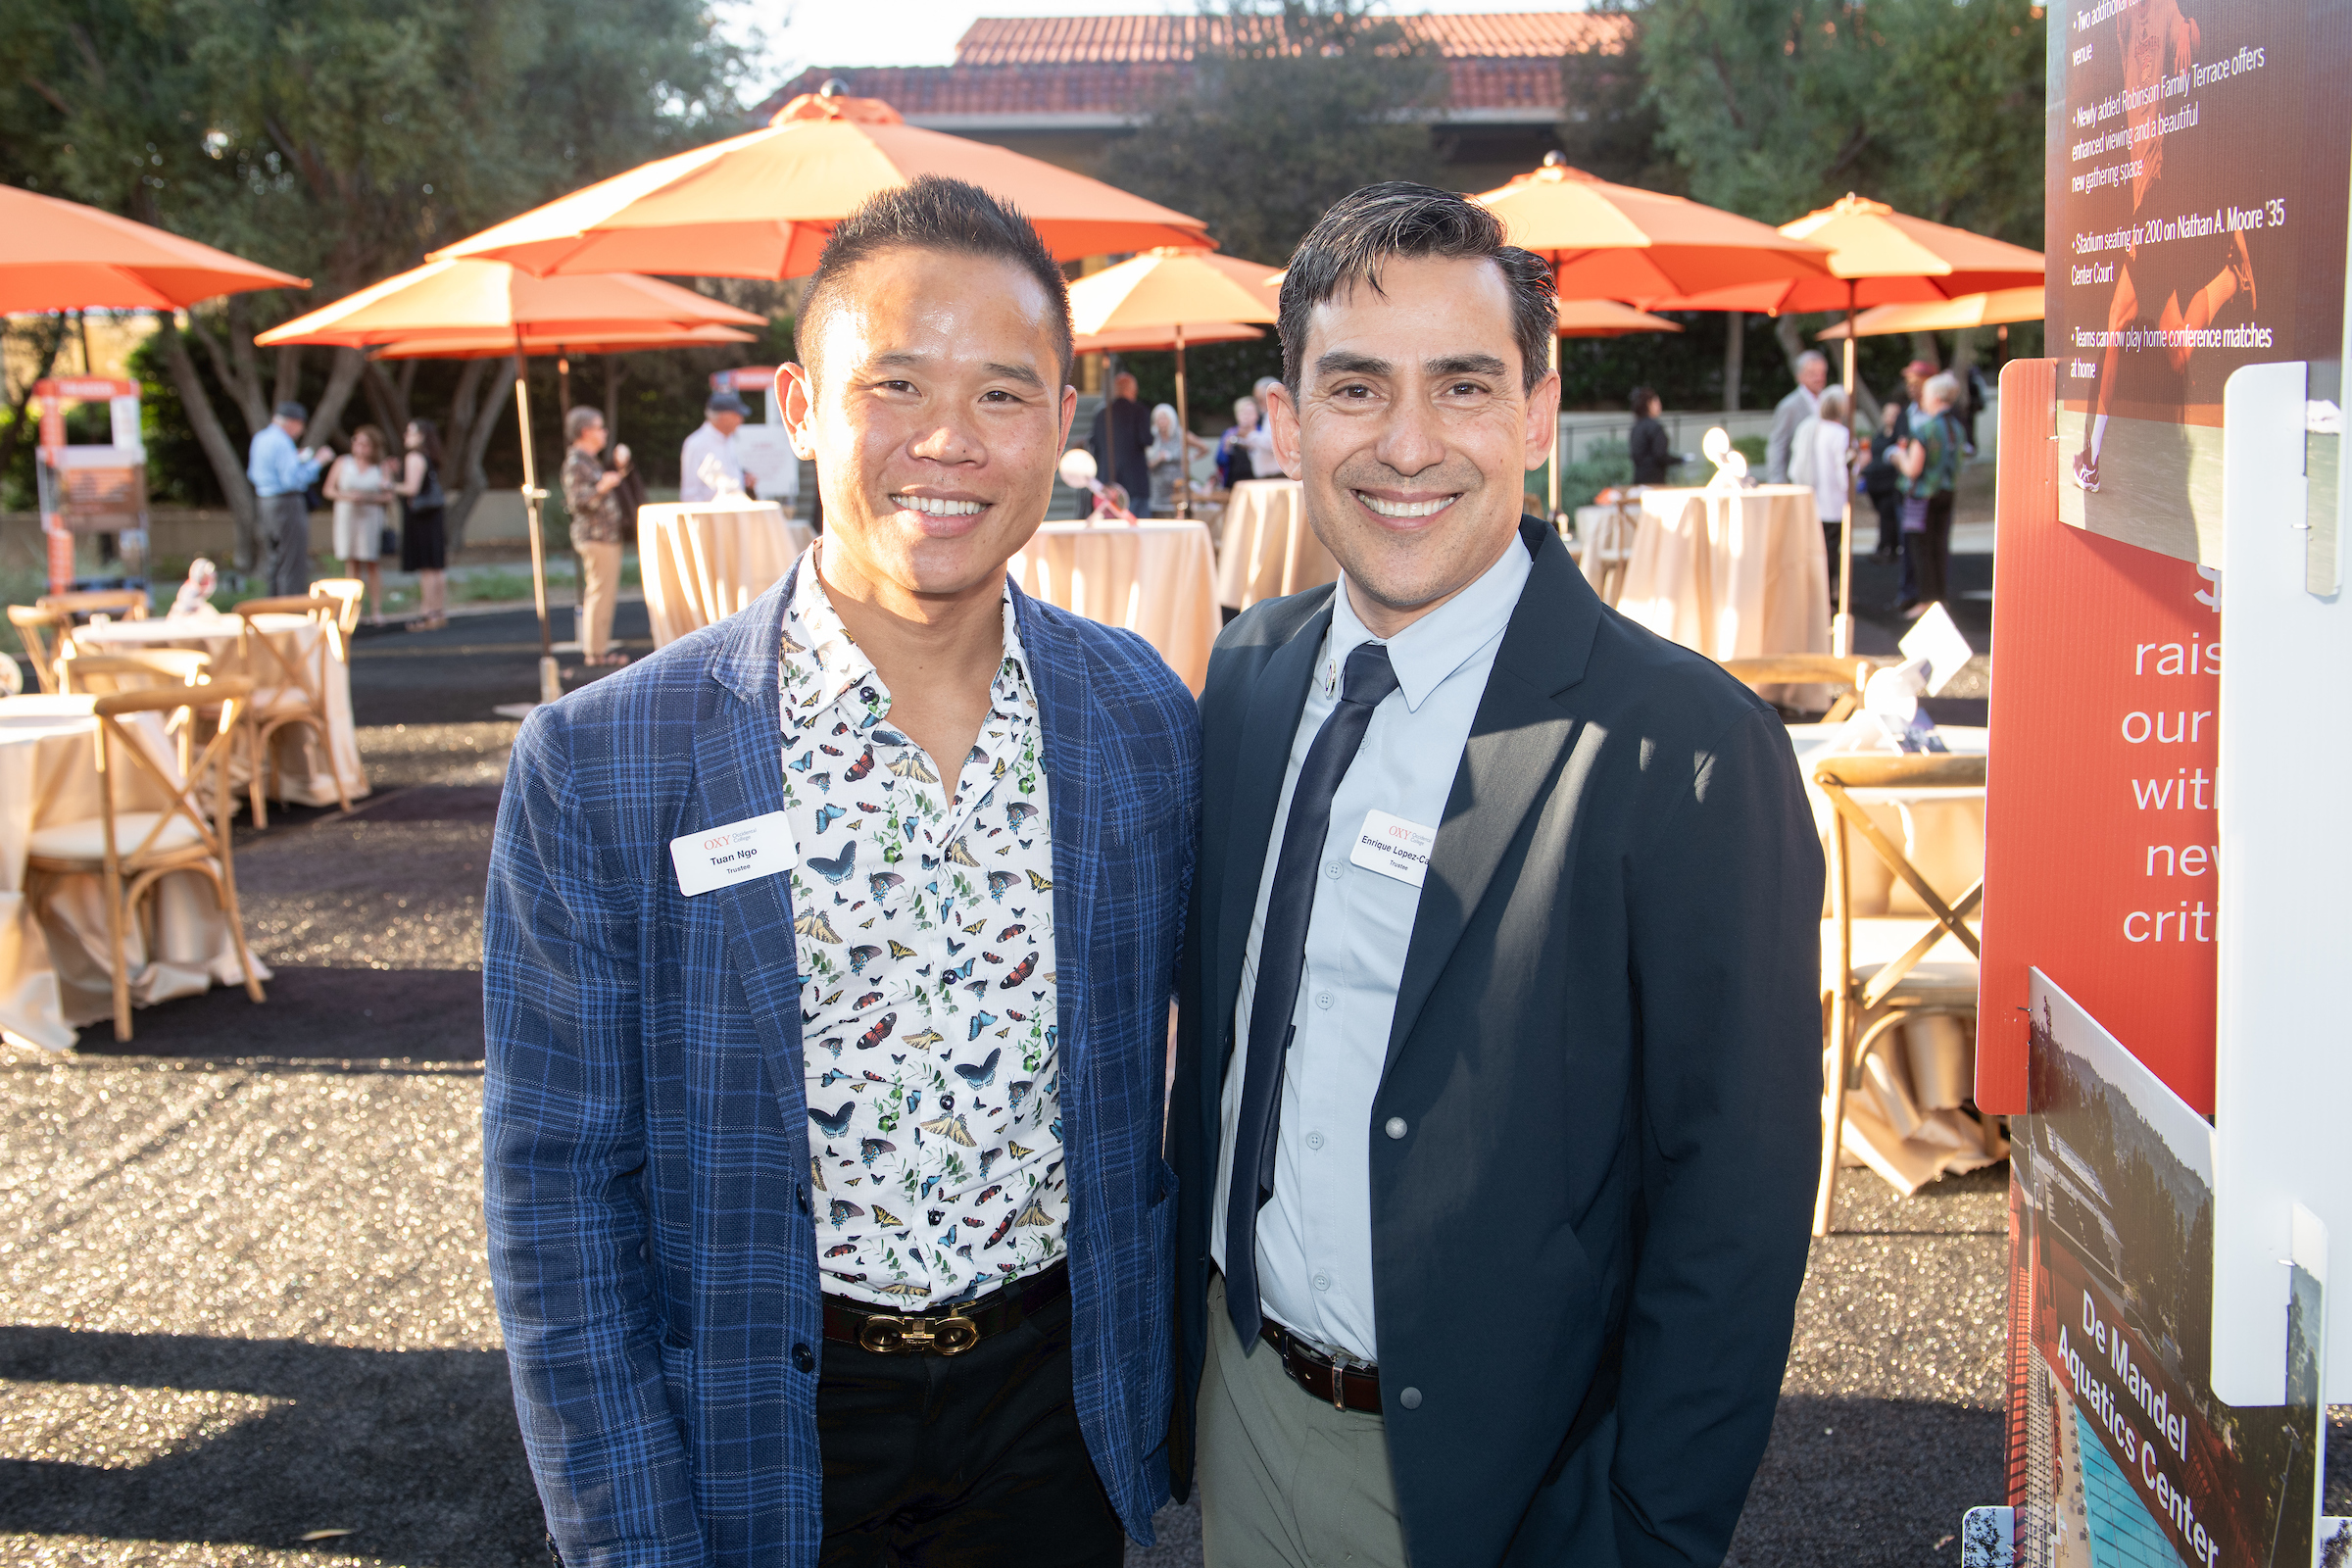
pixel 1509 763
pixel 1066 710
pixel 1261 759
pixel 739 773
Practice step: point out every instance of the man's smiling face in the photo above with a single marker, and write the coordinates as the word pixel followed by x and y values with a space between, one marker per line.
pixel 935 410
pixel 1412 430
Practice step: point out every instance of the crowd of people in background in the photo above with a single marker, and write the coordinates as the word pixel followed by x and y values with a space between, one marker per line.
pixel 382 503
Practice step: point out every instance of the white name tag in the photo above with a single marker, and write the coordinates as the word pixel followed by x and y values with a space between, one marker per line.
pixel 740 852
pixel 1394 847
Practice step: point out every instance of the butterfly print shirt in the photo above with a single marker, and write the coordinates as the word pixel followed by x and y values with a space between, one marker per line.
pixel 924 915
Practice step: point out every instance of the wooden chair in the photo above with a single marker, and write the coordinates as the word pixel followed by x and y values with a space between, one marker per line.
pixel 124 604
pixel 1607 549
pixel 1848 675
pixel 289 691
pixel 43 634
pixel 131 851
pixel 351 591
pixel 150 670
pixel 1902 985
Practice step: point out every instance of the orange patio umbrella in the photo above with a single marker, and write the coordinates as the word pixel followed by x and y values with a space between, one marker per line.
pixel 1618 242
pixel 1166 294
pixel 1608 318
pixel 761 205
pixel 1878 255
pixel 471 346
pixel 1995 308
pixel 488 307
pixel 62 256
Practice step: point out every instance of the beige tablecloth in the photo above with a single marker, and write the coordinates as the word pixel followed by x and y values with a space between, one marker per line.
pixel 703 561
pixel 1265 549
pixel 53 969
pixel 306 771
pixel 1907 1122
pixel 1739 575
pixel 1154 578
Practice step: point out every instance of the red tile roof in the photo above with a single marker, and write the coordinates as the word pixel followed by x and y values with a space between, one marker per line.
pixel 1096 67
pixel 1067 40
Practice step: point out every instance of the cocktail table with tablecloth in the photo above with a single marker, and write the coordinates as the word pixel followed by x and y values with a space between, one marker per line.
pixel 306 771
pixel 1156 579
pixel 54 970
pixel 1265 549
pixel 703 561
pixel 1906 1121
pixel 1734 574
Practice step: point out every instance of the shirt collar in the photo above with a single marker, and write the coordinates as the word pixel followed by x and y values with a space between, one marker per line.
pixel 822 660
pixel 1433 647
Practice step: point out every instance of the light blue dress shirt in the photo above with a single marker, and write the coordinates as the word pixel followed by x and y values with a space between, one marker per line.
pixel 1315 1235
pixel 275 466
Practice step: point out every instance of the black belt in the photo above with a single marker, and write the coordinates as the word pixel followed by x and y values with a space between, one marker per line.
pixel 1342 1386
pixel 950 1330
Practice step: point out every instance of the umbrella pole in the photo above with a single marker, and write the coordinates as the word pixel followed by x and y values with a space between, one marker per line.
pixel 1184 425
pixel 551 683
pixel 1841 625
pixel 1552 484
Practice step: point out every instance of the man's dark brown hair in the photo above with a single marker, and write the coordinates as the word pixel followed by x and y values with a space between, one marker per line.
pixel 1397 218
pixel 936 214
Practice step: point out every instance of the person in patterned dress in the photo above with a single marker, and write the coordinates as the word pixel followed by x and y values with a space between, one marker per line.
pixel 828 956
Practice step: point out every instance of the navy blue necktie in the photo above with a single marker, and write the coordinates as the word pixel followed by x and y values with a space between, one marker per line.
pixel 1280 956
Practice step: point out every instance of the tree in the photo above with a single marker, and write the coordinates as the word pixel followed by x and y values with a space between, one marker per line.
pixel 1608 120
pixel 340 140
pixel 1931 106
pixel 1291 105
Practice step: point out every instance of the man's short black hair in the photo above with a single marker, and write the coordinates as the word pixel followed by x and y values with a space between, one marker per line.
pixel 1399 218
pixel 933 213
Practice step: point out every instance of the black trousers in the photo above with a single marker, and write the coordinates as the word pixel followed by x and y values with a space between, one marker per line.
pixel 1929 553
pixel 1890 521
pixel 967 1460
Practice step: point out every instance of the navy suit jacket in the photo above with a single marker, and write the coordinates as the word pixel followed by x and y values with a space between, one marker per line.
pixel 645 1135
pixel 1606 1062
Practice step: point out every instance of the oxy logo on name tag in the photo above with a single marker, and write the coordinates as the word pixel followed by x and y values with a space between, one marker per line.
pixel 1394 847
pixel 740 852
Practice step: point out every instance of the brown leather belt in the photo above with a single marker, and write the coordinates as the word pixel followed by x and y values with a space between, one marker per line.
pixel 1342 1388
pixel 950 1330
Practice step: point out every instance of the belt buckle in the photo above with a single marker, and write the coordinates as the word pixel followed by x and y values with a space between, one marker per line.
pixel 952 1334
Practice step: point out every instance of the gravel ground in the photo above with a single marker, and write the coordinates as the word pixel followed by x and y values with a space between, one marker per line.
pixel 242 1298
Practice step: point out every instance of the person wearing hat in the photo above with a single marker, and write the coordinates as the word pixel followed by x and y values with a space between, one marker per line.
pixel 713 441
pixel 281 479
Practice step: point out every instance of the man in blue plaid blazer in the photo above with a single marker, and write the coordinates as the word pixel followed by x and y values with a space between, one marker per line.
pixel 828 958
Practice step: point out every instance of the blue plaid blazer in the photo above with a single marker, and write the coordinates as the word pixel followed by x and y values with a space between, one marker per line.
pixel 644 1136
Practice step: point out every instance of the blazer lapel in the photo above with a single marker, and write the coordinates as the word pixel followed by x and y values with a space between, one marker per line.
pixel 1263 757
pixel 1066 710
pixel 1508 763
pixel 739 773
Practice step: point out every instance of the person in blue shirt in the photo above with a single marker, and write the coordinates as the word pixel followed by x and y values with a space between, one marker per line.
pixel 281 477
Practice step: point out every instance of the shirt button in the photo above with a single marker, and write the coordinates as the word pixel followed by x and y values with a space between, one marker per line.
pixel 1322 1282
pixel 1410 1399
pixel 1332 870
pixel 1395 1129
pixel 1314 1140
pixel 801 1359
pixel 1323 1000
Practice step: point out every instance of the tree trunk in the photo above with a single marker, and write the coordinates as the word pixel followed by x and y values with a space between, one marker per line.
pixel 1792 341
pixel 1734 357
pixel 219 449
pixel 613 374
pixel 288 380
pixel 326 421
pixel 387 399
pixel 1922 347
pixel 471 423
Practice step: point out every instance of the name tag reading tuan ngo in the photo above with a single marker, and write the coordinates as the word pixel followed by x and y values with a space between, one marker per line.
pixel 740 852
pixel 1394 847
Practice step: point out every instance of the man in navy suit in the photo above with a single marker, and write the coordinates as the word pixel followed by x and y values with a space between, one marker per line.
pixel 828 963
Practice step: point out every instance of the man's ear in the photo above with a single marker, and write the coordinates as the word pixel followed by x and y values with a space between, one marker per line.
pixel 795 392
pixel 1543 421
pixel 1069 411
pixel 1282 424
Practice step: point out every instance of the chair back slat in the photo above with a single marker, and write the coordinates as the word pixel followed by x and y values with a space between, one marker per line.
pixel 178 704
pixel 349 593
pixel 131 604
pixel 42 632
pixel 100 674
pixel 305 672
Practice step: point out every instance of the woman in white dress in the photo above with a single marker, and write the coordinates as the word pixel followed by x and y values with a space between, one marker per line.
pixel 361 485
pixel 1833 439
